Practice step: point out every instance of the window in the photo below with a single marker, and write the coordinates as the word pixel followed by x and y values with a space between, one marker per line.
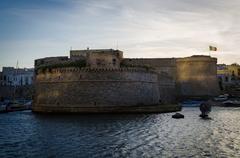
pixel 226 79
pixel 238 72
pixel 21 81
pixel 26 80
pixel 114 61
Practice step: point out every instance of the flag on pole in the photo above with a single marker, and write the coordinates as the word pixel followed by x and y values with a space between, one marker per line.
pixel 212 48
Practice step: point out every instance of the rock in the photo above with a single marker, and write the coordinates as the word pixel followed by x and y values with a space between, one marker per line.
pixel 178 116
pixel 206 117
pixel 203 116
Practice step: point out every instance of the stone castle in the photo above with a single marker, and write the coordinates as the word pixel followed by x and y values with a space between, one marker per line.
pixel 102 79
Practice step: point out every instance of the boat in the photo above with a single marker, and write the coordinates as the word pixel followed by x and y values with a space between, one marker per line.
pixel 223 97
pixel 232 103
pixel 3 108
pixel 16 106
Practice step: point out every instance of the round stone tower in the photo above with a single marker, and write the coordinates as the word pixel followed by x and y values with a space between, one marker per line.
pixel 197 76
pixel 92 81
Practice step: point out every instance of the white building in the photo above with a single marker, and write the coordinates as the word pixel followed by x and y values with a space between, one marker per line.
pixel 17 77
pixel 1 79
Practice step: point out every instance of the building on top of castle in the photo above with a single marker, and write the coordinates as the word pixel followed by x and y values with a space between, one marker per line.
pixel 98 58
pixel 93 58
pixel 103 78
pixel 50 61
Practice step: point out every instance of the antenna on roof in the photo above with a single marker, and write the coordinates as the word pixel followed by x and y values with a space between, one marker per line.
pixel 17 65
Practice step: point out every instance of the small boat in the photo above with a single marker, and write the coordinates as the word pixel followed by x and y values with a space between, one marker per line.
pixel 3 108
pixel 221 97
pixel 15 106
pixel 232 103
pixel 28 105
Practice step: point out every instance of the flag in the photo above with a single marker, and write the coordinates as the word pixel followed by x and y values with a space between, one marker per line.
pixel 212 48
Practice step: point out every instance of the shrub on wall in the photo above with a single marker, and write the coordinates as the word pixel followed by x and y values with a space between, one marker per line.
pixel 77 64
pixel 147 67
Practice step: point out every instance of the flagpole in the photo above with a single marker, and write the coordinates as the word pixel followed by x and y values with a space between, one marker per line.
pixel 209 50
pixel 212 48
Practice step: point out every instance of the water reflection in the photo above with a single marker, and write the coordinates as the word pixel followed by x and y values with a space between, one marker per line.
pixel 24 134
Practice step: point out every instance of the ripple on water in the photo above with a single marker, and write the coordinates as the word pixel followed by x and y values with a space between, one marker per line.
pixel 24 134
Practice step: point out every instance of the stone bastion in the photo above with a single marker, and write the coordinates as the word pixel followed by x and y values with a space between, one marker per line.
pixel 88 89
pixel 95 80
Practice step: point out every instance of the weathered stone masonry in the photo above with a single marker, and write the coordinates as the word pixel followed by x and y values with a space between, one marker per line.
pixel 182 78
pixel 99 80
pixel 70 88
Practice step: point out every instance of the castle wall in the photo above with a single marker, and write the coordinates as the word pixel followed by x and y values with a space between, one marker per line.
pixel 197 76
pixel 73 88
pixel 166 70
pixel 188 77
pixel 103 60
pixel 107 81
pixel 50 61
pixel 78 54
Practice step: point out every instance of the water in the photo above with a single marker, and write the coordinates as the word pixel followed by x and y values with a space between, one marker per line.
pixel 25 134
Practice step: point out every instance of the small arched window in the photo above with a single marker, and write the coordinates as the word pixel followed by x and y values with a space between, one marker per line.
pixel 114 61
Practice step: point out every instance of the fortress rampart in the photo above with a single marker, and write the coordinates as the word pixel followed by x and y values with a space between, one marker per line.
pixel 70 89
pixel 103 79
pixel 166 71
pixel 197 76
pixel 180 78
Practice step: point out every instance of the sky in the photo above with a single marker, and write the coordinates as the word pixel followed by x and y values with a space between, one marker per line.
pixel 31 29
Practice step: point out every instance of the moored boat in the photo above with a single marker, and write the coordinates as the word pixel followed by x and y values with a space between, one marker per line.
pixel 232 103
pixel 3 108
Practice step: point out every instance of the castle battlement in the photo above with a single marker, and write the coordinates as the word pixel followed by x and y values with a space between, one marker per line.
pixel 88 69
pixel 103 78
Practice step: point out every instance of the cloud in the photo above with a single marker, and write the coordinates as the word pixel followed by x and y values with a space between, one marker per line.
pixel 140 28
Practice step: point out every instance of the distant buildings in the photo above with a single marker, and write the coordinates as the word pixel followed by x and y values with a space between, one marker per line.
pixel 228 74
pixel 11 76
pixel 1 79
